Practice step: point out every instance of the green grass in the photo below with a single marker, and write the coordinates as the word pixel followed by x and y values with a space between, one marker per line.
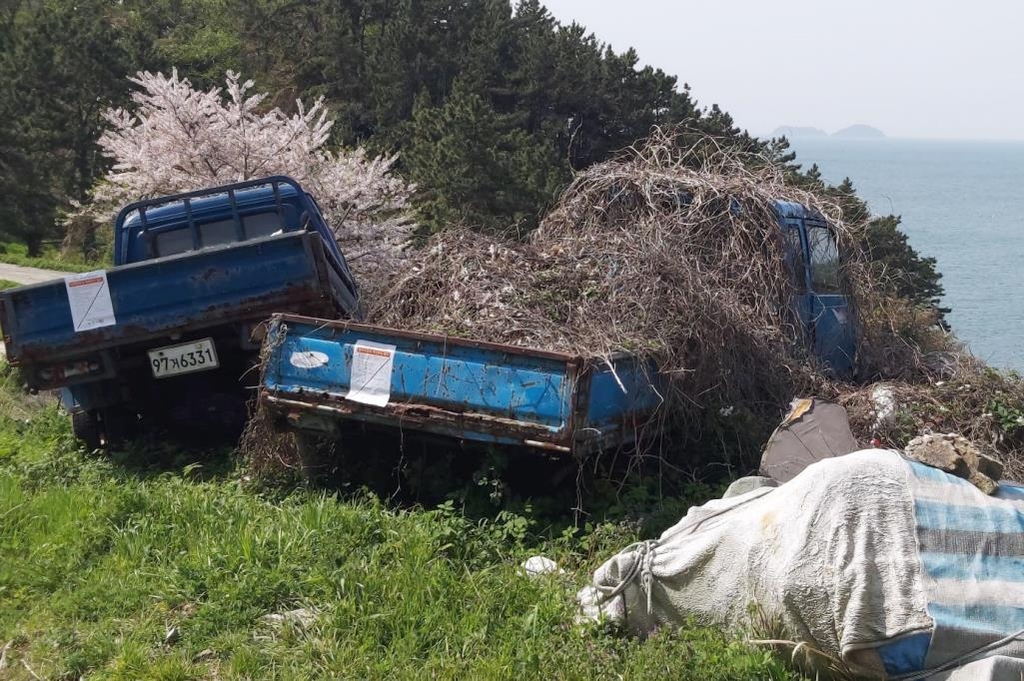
pixel 7 283
pixel 100 558
pixel 51 259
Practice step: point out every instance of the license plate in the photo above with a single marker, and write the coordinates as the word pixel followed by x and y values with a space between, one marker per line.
pixel 172 360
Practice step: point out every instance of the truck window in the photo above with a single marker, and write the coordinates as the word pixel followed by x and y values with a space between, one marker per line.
pixel 261 224
pixel 794 254
pixel 825 262
pixel 218 233
pixel 173 241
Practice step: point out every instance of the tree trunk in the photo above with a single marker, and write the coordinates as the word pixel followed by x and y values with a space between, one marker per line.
pixel 35 245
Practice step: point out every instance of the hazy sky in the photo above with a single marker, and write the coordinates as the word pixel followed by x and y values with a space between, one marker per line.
pixel 914 68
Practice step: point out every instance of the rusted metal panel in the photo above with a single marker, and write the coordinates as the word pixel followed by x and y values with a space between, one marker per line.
pixel 344 326
pixel 415 417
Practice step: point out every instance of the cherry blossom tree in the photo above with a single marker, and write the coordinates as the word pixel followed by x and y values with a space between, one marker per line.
pixel 177 138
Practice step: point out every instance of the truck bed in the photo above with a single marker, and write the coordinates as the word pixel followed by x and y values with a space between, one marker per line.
pixel 460 388
pixel 167 296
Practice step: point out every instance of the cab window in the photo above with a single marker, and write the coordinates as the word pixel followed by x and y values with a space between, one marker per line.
pixel 794 254
pixel 221 232
pixel 173 241
pixel 261 224
pixel 825 263
pixel 218 233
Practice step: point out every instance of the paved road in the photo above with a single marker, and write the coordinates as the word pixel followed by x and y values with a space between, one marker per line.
pixel 25 275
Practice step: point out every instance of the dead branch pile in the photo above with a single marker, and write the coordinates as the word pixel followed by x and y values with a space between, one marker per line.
pixel 671 253
pixel 268 450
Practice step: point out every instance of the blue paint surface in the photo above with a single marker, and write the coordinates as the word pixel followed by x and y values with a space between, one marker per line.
pixel 493 393
pixel 906 654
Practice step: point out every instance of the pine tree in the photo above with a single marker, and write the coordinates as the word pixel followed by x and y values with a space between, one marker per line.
pixel 475 167
pixel 52 94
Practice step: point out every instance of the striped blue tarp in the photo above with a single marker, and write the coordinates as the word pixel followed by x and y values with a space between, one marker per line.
pixel 971 548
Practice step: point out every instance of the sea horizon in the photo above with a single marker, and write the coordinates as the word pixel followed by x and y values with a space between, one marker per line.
pixel 894 138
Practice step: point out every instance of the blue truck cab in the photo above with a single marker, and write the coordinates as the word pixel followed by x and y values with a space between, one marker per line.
pixel 222 216
pixel 166 334
pixel 821 301
pixel 321 377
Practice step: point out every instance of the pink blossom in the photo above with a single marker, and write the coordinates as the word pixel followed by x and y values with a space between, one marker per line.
pixel 176 138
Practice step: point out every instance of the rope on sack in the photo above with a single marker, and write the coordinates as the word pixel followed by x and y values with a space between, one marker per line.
pixel 642 566
pixel 647 573
pixel 643 555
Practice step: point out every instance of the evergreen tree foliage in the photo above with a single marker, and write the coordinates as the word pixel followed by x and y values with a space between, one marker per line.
pixel 476 167
pixel 896 263
pixel 490 105
pixel 61 65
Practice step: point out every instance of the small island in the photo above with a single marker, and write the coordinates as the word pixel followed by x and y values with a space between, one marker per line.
pixel 791 131
pixel 860 131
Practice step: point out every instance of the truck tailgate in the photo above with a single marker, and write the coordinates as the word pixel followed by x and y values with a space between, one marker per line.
pixel 164 296
pixel 465 389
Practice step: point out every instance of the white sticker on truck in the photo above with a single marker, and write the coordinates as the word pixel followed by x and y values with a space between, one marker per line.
pixel 89 298
pixel 308 359
pixel 372 364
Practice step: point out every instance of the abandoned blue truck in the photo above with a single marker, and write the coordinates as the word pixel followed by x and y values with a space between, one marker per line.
pixel 322 376
pixel 166 334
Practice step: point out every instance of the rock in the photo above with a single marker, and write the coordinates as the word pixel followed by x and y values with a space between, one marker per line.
pixel 797 131
pixel 859 131
pixel 301 618
pixel 993 468
pixel 941 364
pixel 983 482
pixel 540 565
pixel 938 452
pixel 955 454
pixel 171 636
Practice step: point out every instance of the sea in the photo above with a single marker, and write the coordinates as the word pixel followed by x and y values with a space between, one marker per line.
pixel 962 203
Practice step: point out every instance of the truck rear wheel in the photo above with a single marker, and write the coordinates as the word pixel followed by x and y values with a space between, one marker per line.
pixel 118 425
pixel 86 428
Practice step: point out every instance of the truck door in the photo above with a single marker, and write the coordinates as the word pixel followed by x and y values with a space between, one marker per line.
pixel 795 251
pixel 830 312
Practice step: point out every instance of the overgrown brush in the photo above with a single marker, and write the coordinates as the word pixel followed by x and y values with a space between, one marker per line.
pixel 268 451
pixel 668 252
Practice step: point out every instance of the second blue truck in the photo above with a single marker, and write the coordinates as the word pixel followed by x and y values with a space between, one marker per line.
pixel 321 376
